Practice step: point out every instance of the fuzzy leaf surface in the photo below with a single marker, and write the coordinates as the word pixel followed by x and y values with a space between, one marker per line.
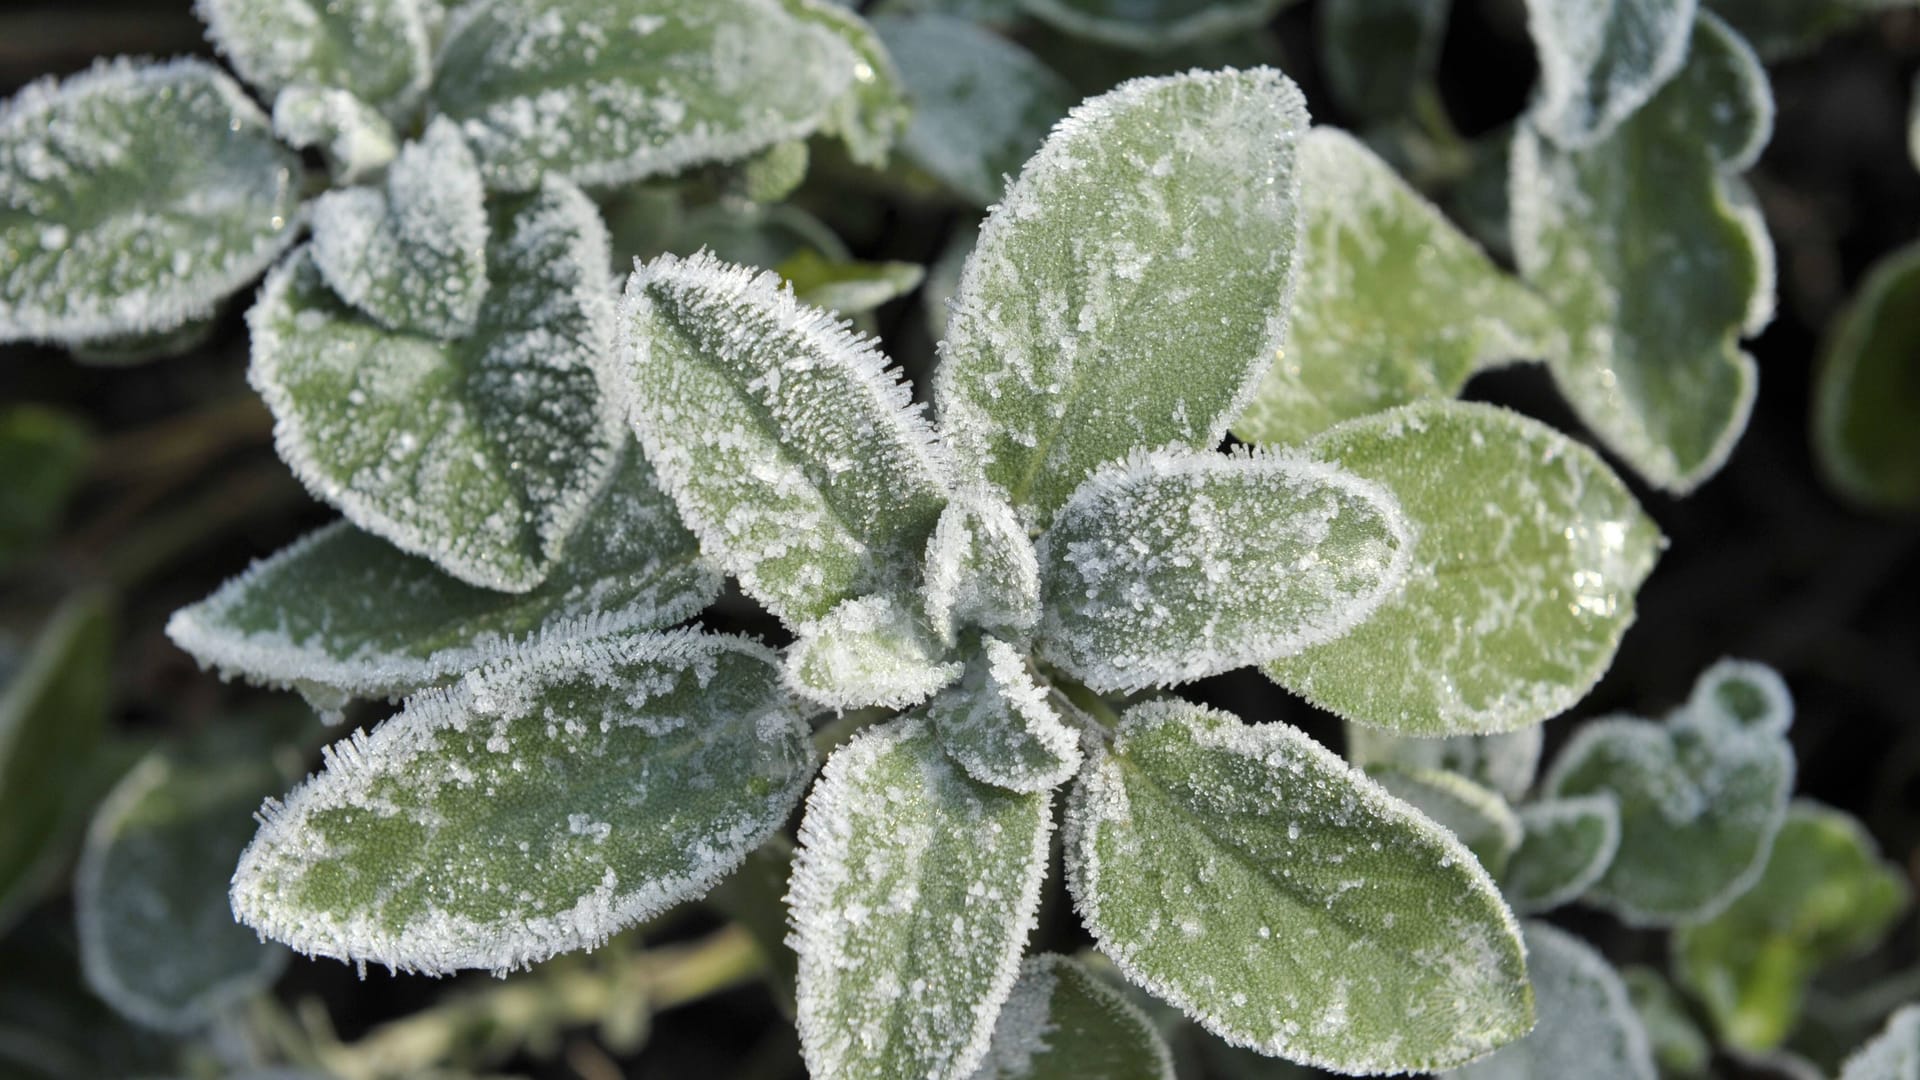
pixel 873 111
pixel 1151 24
pixel 1477 817
pixel 606 92
pixel 912 897
pixel 1506 762
pixel 1866 407
pixel 480 454
pixel 980 569
pixel 343 614
pixel 1894 1054
pixel 378 50
pixel 355 139
pixel 982 104
pixel 1826 895
pixel 1588 1027
pixel 1652 362
pixel 869 652
pixel 414 256
pixel 1063 1022
pixel 536 807
pixel 1130 290
pixel 134 197
pixel 1601 62
pixel 1286 902
pixel 1565 847
pixel 1394 303
pixel 1000 726
pixel 793 452
pixel 1516 596
pixel 1178 565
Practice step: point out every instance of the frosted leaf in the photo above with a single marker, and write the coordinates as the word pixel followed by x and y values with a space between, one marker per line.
pixel 1679 1047
pixel 480 454
pixel 912 897
pixel 1152 24
pixel 538 806
pixel 1000 726
pixel 980 569
pixel 1566 847
pixel 794 453
pixel 1528 556
pixel 1744 692
pixel 1701 797
pixel 375 49
pixel 873 110
pixel 1866 429
pixel 1377 54
pixel 1477 817
pixel 1505 762
pixel 1652 362
pixel 1394 304
pixel 1587 1025
pixel 1599 62
pixel 867 652
pixel 1285 901
pixel 346 613
pixel 982 104
pixel 355 139
pixel 1894 1054
pixel 1063 1022
pixel 776 172
pixel 1827 895
pixel 1780 29
pixel 414 256
pixel 1177 565
pixel 157 937
pixel 133 198
pixel 606 92
pixel 847 286
pixel 1131 289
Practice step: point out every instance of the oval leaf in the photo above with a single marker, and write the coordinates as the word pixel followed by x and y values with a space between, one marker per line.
pixel 1151 24
pixel 1000 727
pixel 480 454
pixel 1063 1022
pixel 1588 1027
pixel 870 114
pixel 1505 763
pixel 1600 62
pixel 1566 847
pixel 574 791
pixel 980 569
pixel 1288 903
pixel 912 897
pixel 1131 288
pixel 869 652
pixel 133 197
pixel 375 49
pixel 355 139
pixel 793 452
pixel 1176 566
pixel 1866 413
pixel 1516 598
pixel 1477 817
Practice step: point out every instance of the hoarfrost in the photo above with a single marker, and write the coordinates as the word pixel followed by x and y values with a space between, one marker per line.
pixel 1587 1028
pixel 376 49
pixel 1506 762
pixel 869 651
pixel 1599 62
pixel 1567 847
pixel 980 569
pixel 1001 728
pixel 1894 1054
pixel 355 139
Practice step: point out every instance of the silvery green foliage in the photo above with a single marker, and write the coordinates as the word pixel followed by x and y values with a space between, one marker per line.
pixel 980 569
pixel 871 113
pixel 1062 1021
pixel 1288 903
pixel 377 50
pixel 869 651
pixel 1588 1027
pixel 537 806
pixel 343 614
pixel 1566 846
pixel 133 198
pixel 1601 61
pixel 1000 726
pixel 412 257
pixel 1894 1054
pixel 1505 763
pixel 480 453
pixel 355 139
pixel 1477 817
pixel 1151 24
pixel 1077 335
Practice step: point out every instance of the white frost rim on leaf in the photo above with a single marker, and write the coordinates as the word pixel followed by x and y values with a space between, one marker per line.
pixel 1548 813
pixel 1778 716
pixel 247 60
pixel 1565 77
pixel 911 665
pixel 1031 1008
pixel 1010 692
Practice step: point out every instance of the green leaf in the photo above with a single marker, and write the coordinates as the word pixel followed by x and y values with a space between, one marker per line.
pixel 1780 29
pixel 44 455
pixel 355 139
pixel 1826 895
pixel 414 256
pixel 873 111
pixel 1000 726
pixel 1394 303
pixel 912 898
pixel 870 651
pixel 53 712
pixel 1131 288
pixel 157 936
pixel 1515 599
pixel 1177 565
pixel 1746 693
pixel 1678 1044
pixel 1701 798
pixel 538 806
pixel 1152 24
pixel 1505 763
pixel 481 454
pixel 343 614
pixel 776 172
pixel 1378 54
pixel 1587 1024
pixel 982 104
pixel 1601 62
pixel 1566 846
pixel 980 569
pixel 1652 364
pixel 133 198
pixel 378 50
pixel 793 452
pixel 1866 396
pixel 1894 1054
pixel 606 92
pixel 848 287
pixel 1286 902
pixel 1062 1022
pixel 1477 817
